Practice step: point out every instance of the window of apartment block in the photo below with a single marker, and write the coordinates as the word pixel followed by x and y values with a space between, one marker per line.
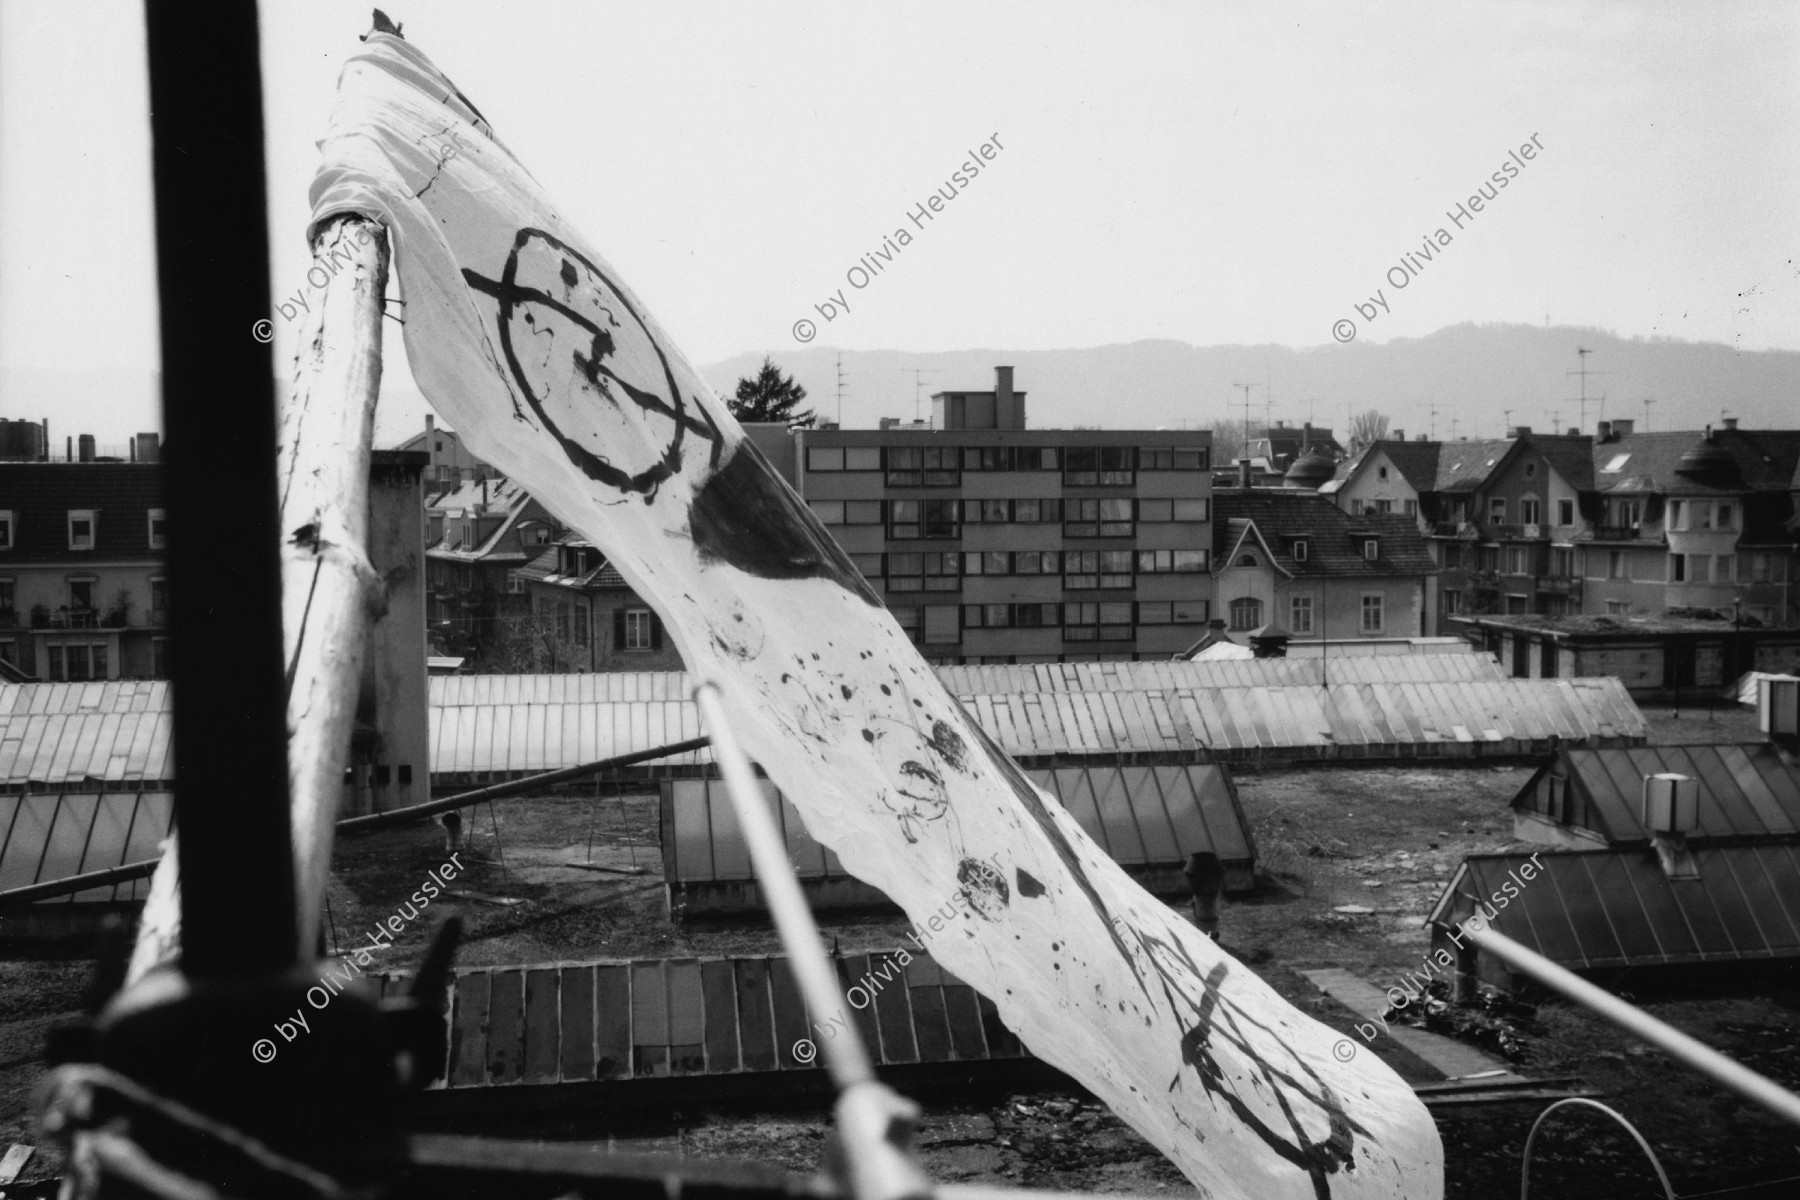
pixel 1152 510
pixel 988 512
pixel 1246 613
pixel 1083 569
pixel 1678 568
pixel 1097 518
pixel 81 528
pixel 1037 512
pixel 1301 550
pixel 582 625
pixel 1452 601
pixel 824 458
pixel 829 512
pixel 931 572
pixel 1087 466
pixel 1725 569
pixel 1531 511
pixel 8 602
pixel 1724 514
pixel 1037 562
pixel 1517 559
pixel 1371 549
pixel 1168 458
pixel 1617 564
pixel 1565 512
pixel 1011 616
pixel 1165 562
pixel 73 662
pixel 1300 614
pixel 987 562
pixel 910 619
pixel 81 593
pixel 1174 612
pixel 159 600
pixel 1497 510
pixel 923 466
pixel 1617 607
pixel 1410 507
pixel 159 529
pixel 636 630
pixel 1678 514
pixel 1562 561
pixel 1372 612
pixel 943 624
pixel 1097 622
pixel 7 517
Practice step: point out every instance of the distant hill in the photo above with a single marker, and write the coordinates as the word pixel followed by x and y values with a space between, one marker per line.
pixel 1473 374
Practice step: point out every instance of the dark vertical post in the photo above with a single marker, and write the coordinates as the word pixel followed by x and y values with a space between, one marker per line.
pixel 1206 876
pixel 237 874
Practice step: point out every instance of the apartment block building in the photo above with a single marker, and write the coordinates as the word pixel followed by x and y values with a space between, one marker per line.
pixel 583 616
pixel 993 542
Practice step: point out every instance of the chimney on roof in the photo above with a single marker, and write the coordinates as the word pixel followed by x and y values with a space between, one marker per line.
pixel 1622 427
pixel 1603 431
pixel 1518 431
pixel 1009 411
pixel 1399 435
pixel 1709 436
pixel 1778 709
pixel 86 443
pixel 45 456
pixel 1731 422
pixel 1671 811
pixel 149 447
pixel 68 448
pixel 1420 437
pixel 1244 473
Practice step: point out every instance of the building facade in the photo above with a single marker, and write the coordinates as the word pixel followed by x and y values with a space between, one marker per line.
pixel 583 616
pixel 992 542
pixel 1290 561
pixel 83 588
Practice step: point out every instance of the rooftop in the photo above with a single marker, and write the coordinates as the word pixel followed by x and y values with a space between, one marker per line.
pixel 1333 538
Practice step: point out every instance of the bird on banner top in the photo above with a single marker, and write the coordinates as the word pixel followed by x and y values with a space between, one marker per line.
pixel 527 341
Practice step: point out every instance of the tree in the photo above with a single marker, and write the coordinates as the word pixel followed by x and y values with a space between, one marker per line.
pixel 1367 428
pixel 771 396
pixel 1228 441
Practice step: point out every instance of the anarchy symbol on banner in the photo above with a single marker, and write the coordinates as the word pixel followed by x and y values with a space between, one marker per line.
pixel 549 290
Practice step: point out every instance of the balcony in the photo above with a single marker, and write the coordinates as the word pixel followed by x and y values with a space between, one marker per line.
pixel 1455 529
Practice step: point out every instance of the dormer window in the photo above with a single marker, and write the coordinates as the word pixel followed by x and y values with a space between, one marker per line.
pixel 82 522
pixel 1300 550
pixel 159 529
pixel 1372 549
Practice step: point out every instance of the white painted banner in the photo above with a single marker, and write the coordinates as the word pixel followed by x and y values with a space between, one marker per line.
pixel 528 343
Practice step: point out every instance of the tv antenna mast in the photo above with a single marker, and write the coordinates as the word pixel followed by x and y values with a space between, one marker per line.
pixel 1246 437
pixel 840 389
pixel 1648 401
pixel 918 374
pixel 1583 372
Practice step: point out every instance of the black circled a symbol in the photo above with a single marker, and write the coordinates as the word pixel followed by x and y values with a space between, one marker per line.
pixel 510 295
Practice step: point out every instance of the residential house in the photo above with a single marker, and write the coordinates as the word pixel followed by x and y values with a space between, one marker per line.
pixel 1274 449
pixel 1293 560
pixel 83 583
pixel 1691 523
pixel 449 462
pixel 478 535
pixel 991 542
pixel 583 616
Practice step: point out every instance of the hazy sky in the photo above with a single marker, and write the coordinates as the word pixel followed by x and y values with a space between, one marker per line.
pixel 1212 173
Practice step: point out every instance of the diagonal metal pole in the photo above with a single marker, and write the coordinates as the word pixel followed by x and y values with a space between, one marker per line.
pixel 874 1123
